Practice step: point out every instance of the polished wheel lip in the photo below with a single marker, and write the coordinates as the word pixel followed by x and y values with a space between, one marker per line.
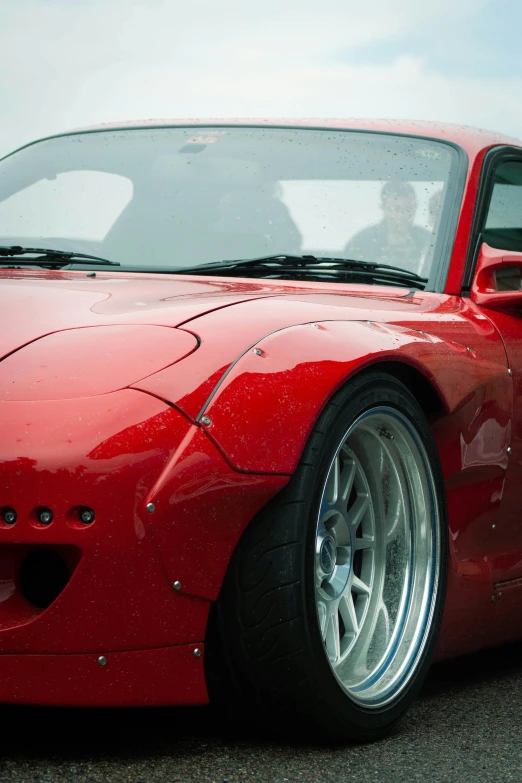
pixel 381 436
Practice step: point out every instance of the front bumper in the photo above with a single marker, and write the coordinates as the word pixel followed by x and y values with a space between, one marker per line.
pixel 115 454
pixel 159 677
pixel 104 453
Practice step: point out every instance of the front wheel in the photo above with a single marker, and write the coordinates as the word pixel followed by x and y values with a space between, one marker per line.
pixel 333 600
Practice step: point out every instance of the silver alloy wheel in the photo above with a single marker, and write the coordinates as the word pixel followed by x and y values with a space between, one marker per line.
pixel 377 556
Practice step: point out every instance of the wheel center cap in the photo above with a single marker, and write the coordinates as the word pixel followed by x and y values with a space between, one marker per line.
pixel 327 555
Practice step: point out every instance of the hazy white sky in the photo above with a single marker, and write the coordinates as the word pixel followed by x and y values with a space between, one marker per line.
pixel 67 63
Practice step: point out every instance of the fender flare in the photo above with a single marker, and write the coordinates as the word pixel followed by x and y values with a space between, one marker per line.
pixel 263 408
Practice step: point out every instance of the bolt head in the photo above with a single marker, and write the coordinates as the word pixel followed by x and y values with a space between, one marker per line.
pixel 102 660
pixel 508 449
pixel 197 653
pixel 151 508
pixel 510 372
pixel 176 585
pixel 45 516
pixel 493 599
pixel 87 516
pixel 493 526
pixel 9 516
pixel 206 420
pixel 258 351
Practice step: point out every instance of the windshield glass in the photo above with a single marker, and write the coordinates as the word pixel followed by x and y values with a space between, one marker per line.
pixel 179 197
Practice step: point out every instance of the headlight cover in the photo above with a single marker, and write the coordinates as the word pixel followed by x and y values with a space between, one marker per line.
pixel 90 361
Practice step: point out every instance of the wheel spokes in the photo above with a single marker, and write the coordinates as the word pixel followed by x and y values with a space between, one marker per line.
pixel 364 542
pixel 332 484
pixel 331 631
pixel 358 586
pixel 347 479
pixel 358 510
pixel 349 616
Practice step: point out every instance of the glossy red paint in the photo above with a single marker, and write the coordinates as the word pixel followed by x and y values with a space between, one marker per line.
pixel 159 677
pixel 484 290
pixel 39 303
pixel 505 560
pixel 111 453
pixel 53 367
pixel 114 421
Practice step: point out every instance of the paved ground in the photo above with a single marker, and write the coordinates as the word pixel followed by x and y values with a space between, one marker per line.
pixel 465 728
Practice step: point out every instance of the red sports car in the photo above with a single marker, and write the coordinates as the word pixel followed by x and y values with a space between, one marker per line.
pixel 261 418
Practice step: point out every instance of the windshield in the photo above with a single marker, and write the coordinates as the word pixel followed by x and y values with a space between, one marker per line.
pixel 179 197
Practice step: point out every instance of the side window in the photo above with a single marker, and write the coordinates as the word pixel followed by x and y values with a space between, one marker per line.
pixel 503 226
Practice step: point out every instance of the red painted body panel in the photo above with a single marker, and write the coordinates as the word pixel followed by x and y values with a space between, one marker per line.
pixel 506 560
pixel 259 395
pixel 108 454
pixel 442 316
pixel 113 422
pixel 129 679
pixel 53 367
pixel 37 303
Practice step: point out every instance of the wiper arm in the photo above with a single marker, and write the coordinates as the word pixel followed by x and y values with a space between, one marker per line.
pixel 309 261
pixel 51 258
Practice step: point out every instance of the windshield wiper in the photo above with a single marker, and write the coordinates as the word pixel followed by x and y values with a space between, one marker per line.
pixel 323 264
pixel 48 258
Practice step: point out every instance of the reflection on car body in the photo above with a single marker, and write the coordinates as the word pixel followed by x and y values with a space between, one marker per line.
pixel 260 427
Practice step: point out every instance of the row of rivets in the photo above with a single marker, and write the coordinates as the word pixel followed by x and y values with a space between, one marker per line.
pixel 45 516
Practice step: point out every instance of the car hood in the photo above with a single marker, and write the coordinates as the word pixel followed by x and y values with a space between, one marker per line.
pixel 38 303
pixel 33 305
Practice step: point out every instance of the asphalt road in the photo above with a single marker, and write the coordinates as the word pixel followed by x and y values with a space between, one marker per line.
pixel 465 727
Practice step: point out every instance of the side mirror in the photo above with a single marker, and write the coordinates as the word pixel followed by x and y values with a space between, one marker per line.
pixel 498 279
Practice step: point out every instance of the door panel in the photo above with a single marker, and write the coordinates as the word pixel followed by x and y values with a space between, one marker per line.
pixel 502 228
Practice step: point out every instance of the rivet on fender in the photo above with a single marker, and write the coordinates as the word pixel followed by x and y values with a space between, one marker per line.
pixel 151 508
pixel 206 420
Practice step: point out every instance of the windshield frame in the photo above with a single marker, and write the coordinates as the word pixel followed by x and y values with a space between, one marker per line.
pixel 453 201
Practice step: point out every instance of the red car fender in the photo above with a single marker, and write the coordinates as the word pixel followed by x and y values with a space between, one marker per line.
pixel 263 408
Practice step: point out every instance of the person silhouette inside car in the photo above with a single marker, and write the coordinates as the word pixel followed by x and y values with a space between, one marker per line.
pixel 396 239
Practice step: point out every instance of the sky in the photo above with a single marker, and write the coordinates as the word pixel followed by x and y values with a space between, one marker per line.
pixel 71 63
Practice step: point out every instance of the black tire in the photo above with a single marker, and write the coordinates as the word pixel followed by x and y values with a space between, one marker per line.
pixel 264 640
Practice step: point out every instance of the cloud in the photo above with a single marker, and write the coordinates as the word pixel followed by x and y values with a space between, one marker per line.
pixel 80 63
